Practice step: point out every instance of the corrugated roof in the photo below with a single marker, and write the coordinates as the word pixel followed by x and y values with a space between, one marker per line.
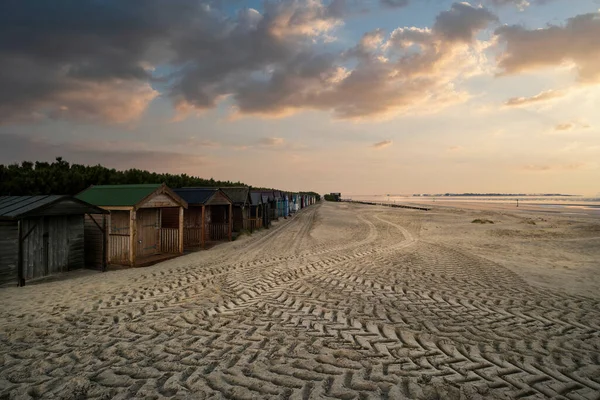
pixel 117 195
pixel 15 207
pixel 196 195
pixel 238 195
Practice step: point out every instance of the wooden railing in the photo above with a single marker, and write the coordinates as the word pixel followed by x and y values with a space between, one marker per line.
pixel 169 240
pixel 252 224
pixel 217 231
pixel 118 248
pixel 192 237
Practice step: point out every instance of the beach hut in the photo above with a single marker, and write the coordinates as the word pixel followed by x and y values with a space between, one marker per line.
pixel 266 199
pixel 240 197
pixel 278 212
pixel 209 217
pixel 255 219
pixel 286 204
pixel 41 236
pixel 145 224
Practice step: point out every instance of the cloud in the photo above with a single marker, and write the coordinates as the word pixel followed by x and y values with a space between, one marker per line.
pixel 564 127
pixel 455 148
pixel 383 144
pixel 520 4
pixel 197 53
pixel 554 167
pixel 576 42
pixel 540 97
pixel 394 3
pixel 462 22
pixel 572 125
pixel 271 141
pixel 57 63
pixel 413 68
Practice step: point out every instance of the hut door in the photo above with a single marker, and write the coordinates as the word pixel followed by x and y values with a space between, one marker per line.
pixel 148 231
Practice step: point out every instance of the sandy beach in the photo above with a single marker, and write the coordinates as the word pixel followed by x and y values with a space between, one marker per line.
pixel 342 301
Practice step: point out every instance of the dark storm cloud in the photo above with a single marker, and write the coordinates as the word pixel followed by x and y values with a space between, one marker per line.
pixel 96 60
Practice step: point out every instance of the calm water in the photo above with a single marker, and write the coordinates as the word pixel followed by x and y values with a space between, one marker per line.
pixel 549 201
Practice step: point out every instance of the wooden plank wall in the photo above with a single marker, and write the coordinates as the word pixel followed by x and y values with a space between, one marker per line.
pixel 93 241
pixel 118 248
pixel 9 248
pixel 118 240
pixel 76 242
pixel 169 240
pixel 55 245
pixel 217 231
pixel 192 237
pixel 148 236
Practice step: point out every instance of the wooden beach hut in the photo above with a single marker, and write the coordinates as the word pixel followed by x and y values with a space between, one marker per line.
pixel 209 217
pixel 240 198
pixel 41 236
pixel 266 200
pixel 278 205
pixel 255 220
pixel 145 225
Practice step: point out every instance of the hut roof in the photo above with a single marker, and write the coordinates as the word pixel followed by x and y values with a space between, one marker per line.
pixel 117 195
pixel 199 196
pixel 257 198
pixel 238 195
pixel 124 195
pixel 267 195
pixel 16 207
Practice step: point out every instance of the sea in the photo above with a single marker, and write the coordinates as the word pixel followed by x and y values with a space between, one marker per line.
pixel 591 203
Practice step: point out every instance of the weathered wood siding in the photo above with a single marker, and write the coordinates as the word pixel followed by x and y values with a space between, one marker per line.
pixel 118 249
pixel 9 247
pixel 192 237
pixel 56 244
pixel 192 227
pixel 158 201
pixel 217 231
pixel 94 246
pixel 118 240
pixel 169 240
pixel 219 198
pixel 238 218
pixel 148 232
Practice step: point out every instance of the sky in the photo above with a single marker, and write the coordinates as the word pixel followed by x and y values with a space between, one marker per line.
pixel 358 97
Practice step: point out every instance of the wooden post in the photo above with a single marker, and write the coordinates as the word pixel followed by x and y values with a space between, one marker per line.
pixel 104 242
pixel 20 280
pixel 132 236
pixel 231 220
pixel 180 230
pixel 108 249
pixel 159 230
pixel 203 229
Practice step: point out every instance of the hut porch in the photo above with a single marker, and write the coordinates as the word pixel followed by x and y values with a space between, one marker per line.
pixel 208 219
pixel 145 225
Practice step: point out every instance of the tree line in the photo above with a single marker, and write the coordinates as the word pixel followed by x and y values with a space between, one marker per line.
pixel 59 177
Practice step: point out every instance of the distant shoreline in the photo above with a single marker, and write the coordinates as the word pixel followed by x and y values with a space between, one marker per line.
pixel 471 195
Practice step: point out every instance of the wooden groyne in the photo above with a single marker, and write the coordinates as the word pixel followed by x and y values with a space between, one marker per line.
pixel 393 205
